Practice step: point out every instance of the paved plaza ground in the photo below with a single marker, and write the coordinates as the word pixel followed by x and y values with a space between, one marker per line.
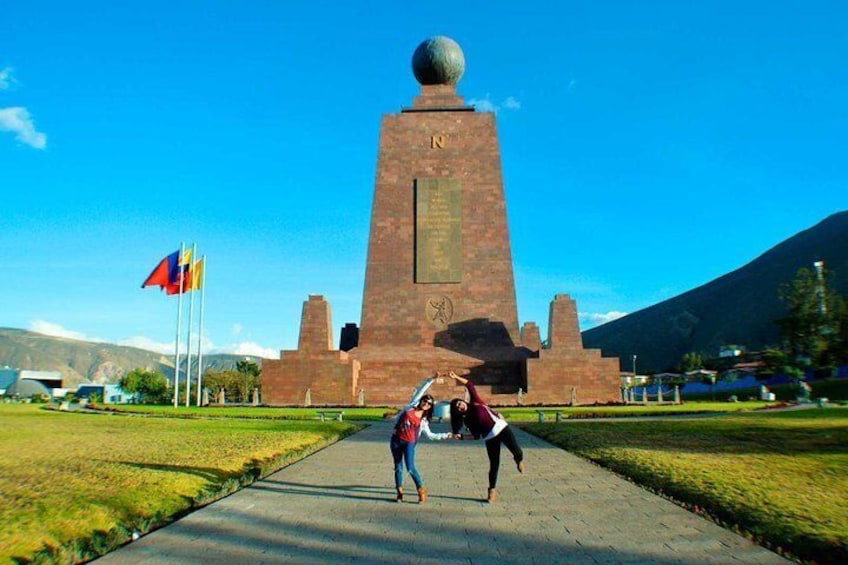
pixel 337 506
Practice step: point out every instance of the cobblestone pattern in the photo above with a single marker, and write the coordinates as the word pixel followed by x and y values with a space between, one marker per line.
pixel 337 506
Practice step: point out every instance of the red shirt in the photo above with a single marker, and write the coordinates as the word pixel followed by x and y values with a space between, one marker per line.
pixel 408 426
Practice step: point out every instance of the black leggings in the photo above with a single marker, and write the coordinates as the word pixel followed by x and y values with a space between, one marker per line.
pixel 493 448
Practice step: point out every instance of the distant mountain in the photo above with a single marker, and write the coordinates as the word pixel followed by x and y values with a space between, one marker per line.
pixel 737 308
pixel 85 361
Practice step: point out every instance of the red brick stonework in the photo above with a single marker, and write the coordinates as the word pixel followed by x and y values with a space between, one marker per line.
pixel 567 372
pixel 315 373
pixel 439 287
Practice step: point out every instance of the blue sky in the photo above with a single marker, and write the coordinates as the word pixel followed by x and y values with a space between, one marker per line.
pixel 648 148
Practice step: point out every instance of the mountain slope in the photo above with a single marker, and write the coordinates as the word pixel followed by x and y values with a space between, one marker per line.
pixel 84 361
pixel 737 308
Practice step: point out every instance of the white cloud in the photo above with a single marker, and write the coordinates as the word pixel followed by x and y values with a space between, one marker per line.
pixel 511 103
pixel 246 348
pixel 483 105
pixel 55 330
pixel 6 78
pixel 250 349
pixel 486 104
pixel 17 120
pixel 592 319
pixel 141 342
pixel 237 329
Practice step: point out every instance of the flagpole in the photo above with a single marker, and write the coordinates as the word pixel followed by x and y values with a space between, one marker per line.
pixel 190 320
pixel 200 331
pixel 179 325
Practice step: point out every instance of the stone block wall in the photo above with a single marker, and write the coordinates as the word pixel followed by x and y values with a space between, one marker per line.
pixel 566 372
pixel 438 138
pixel 329 376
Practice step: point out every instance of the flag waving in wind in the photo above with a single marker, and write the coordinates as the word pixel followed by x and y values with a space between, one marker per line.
pixel 178 274
pixel 180 277
pixel 164 272
pixel 192 277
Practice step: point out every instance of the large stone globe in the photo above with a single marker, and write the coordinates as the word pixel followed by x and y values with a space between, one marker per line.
pixel 438 60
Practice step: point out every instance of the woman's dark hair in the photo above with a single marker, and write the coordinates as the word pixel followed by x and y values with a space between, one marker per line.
pixel 457 417
pixel 428 413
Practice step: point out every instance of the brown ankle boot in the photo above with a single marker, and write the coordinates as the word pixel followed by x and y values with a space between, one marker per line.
pixel 422 495
pixel 490 498
pixel 399 494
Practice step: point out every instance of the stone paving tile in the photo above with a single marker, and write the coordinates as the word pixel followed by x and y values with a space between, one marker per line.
pixel 337 506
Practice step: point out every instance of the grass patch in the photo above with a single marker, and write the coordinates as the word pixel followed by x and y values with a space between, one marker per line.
pixel 530 413
pixel 256 412
pixel 78 485
pixel 513 414
pixel 780 477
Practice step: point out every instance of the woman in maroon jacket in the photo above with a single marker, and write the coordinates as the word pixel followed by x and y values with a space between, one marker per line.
pixel 485 423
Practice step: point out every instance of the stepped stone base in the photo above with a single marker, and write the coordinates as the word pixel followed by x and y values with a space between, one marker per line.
pixel 386 376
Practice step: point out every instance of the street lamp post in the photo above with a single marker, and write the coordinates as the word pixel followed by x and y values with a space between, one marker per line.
pixel 819 265
pixel 634 373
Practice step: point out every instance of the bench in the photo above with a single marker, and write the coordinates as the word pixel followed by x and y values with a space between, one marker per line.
pixel 558 415
pixel 330 415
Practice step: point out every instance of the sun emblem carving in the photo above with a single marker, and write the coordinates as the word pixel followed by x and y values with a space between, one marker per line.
pixel 439 311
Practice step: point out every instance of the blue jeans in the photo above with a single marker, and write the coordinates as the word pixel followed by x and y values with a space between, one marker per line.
pixel 403 451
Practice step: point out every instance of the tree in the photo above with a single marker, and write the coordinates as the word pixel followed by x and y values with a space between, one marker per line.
pixel 227 380
pixel 690 362
pixel 812 332
pixel 249 372
pixel 238 385
pixel 150 386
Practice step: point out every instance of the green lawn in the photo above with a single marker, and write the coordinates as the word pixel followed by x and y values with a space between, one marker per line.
pixel 76 485
pixel 516 414
pixel 258 412
pixel 530 414
pixel 781 477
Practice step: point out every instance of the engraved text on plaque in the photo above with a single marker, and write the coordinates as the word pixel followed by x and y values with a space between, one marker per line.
pixel 438 230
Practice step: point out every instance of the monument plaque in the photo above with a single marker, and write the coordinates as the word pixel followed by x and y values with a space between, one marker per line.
pixel 438 230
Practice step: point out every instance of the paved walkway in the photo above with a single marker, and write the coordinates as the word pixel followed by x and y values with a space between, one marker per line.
pixel 337 506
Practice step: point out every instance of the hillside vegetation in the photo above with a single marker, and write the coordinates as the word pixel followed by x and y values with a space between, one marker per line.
pixel 85 361
pixel 738 308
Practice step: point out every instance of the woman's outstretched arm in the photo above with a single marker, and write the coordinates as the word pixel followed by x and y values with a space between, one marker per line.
pixel 419 392
pixel 429 434
pixel 472 390
pixel 461 380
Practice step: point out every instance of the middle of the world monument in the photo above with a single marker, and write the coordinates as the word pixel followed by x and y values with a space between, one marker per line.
pixel 439 288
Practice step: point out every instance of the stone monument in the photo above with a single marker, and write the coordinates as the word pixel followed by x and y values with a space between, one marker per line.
pixel 439 287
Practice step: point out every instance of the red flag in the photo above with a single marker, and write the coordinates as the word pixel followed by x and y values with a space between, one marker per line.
pixel 174 287
pixel 164 272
